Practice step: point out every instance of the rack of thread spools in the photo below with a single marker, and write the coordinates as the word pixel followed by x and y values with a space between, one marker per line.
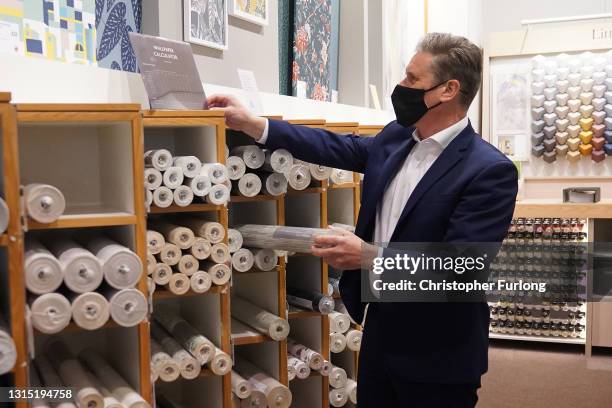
pixel 83 215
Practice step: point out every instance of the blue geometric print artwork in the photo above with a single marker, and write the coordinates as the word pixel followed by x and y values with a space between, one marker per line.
pixel 114 20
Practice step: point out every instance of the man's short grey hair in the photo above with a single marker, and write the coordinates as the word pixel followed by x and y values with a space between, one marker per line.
pixel 455 57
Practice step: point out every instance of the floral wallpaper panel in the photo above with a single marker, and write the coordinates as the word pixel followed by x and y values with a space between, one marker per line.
pixel 115 19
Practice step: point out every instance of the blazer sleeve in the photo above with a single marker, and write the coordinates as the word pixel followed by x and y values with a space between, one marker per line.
pixel 320 146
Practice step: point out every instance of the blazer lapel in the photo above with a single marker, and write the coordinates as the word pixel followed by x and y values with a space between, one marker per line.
pixel 451 155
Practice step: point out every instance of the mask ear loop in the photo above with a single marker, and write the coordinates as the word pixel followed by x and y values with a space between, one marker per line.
pixel 432 88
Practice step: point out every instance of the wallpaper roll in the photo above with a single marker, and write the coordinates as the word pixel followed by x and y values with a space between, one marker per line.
pixel 337 342
pixel 50 378
pixel 107 375
pixel 200 185
pixel 218 195
pixel 90 310
pixel 201 248
pixel 200 282
pixel 219 273
pixel 188 265
pixel 190 165
pixel 150 285
pixel 122 268
pixel 179 284
pixel 221 363
pixel 148 199
pixel 351 390
pixel 74 375
pixel 339 322
pixel 128 307
pixel 265 259
pixel 216 172
pixel 151 262
pixel 163 197
pixel 252 155
pixel 292 239
pixel 326 368
pixel 166 368
pixel 155 242
pixel 173 177
pixel 234 240
pixel 189 366
pixel 209 230
pixel 249 185
pixel 153 178
pixel 319 172
pixel 310 357
pixel 170 254
pixel 43 271
pixel 337 377
pixel 257 399
pixel 347 227
pixel 310 300
pixel 82 270
pixel 336 285
pixel 339 176
pixel 298 176
pixel 109 399
pixel 275 184
pixel 277 395
pixel 162 274
pixel 353 339
pixel 290 373
pixel 302 370
pixel 4 215
pixel 51 312
pixel 263 321
pixel 160 159
pixel 338 397
pixel 183 196
pixel 220 253
pixel 242 260
pixel 241 387
pixel 35 383
pixel 195 343
pixel 279 160
pixel 235 167
pixel 8 352
pixel 44 203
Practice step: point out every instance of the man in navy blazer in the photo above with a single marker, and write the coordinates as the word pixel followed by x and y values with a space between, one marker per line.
pixel 428 177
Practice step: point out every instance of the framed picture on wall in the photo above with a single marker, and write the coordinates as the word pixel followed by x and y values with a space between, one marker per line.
pixel 254 11
pixel 205 23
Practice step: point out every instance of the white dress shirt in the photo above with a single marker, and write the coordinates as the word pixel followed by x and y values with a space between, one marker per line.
pixel 417 163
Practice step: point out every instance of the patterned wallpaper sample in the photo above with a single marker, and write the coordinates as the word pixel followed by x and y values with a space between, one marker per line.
pixel 115 19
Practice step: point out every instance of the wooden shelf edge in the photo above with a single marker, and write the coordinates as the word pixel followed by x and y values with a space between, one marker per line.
pixel 247 340
pixel 85 221
pixel 78 107
pixel 165 294
pixel 4 240
pixel 189 208
pixel 5 97
pixel 309 190
pixel 343 186
pixel 165 113
pixel 300 314
pixel 257 198
pixel 255 270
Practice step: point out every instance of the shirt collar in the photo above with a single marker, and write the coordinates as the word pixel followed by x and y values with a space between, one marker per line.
pixel 444 137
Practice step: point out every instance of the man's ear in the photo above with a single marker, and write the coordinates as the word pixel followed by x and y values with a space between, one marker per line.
pixel 451 90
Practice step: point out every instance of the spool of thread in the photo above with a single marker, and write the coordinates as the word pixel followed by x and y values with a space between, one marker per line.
pixel 261 320
pixel 351 390
pixel 190 165
pixel 242 260
pixel 188 265
pixel 337 397
pixel 163 197
pixel 241 387
pixel 353 340
pixel 43 271
pixel 277 395
pixel 162 274
pixel 235 167
pixel 128 307
pixel 279 160
pixel 8 351
pixel 50 378
pixel 319 172
pixel 90 310
pixel 170 254
pixel 216 172
pixel 153 178
pixel 173 177
pixel 257 399
pixel 160 159
pixel 312 358
pixel 51 312
pixel 339 322
pixel 221 362
pixel 155 242
pixel 252 155
pixel 179 284
pixel 201 248
pixel 310 300
pixel 337 377
pixel 218 195
pixel 200 185
pixel 298 176
pixel 234 240
pixel 209 230
pixel 249 185
pixel 301 369
pixel 122 268
pixel 44 203
pixel 151 262
pixel 339 176
pixel 4 215
pixel 183 196
pixel 275 184
pixel 219 273
pixel 81 269
pixel 166 368
pixel 265 259
pixel 337 342
pixel 220 253
pixel 189 366
pixel 200 282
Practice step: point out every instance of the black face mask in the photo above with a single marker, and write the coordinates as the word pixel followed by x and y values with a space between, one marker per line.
pixel 409 104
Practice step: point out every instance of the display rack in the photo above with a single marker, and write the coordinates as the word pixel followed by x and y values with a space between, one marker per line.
pixel 202 134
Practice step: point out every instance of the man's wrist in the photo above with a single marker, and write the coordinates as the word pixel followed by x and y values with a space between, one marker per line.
pixel 256 127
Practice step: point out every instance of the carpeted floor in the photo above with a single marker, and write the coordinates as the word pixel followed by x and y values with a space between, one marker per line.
pixel 543 375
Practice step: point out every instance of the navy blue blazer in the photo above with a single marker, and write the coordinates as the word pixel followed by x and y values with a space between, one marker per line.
pixel 467 195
